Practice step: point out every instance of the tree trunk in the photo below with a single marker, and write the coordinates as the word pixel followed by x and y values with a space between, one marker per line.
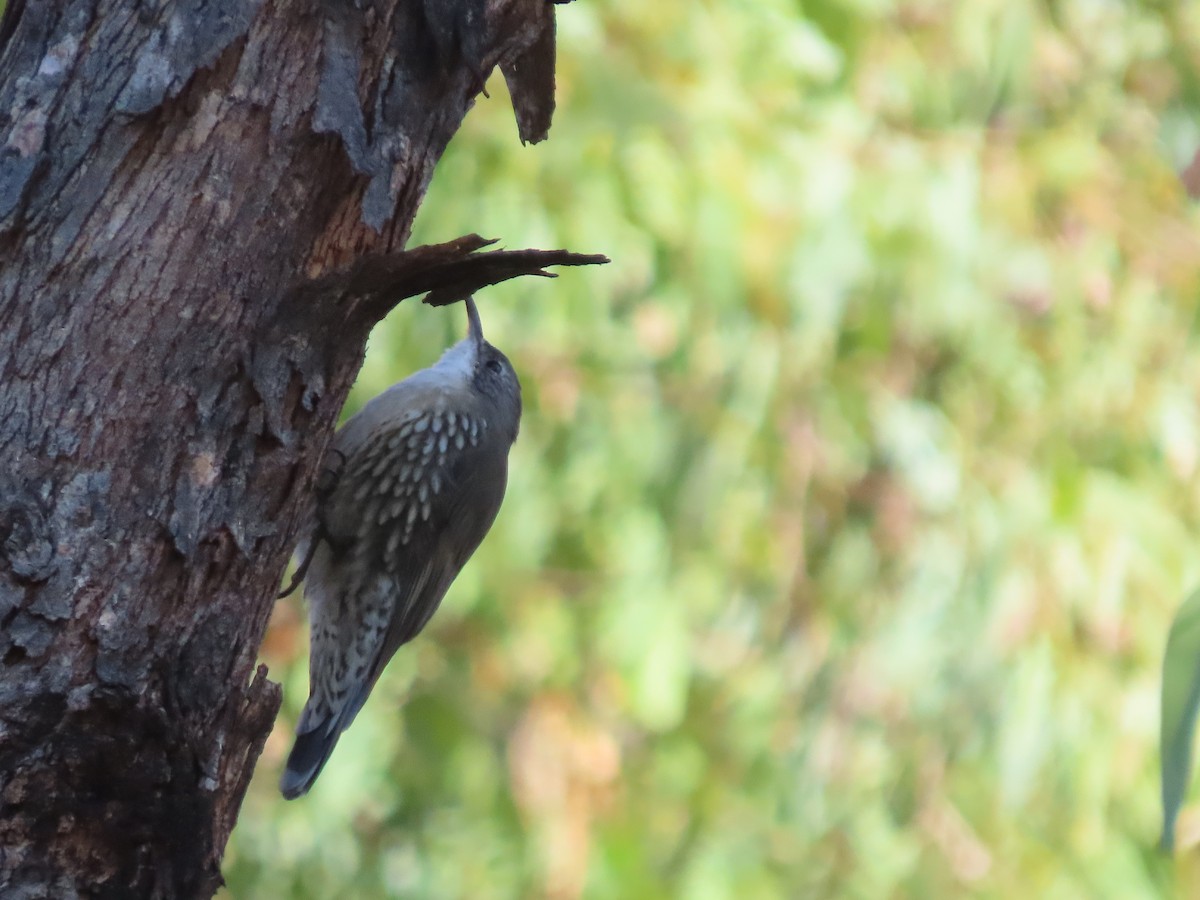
pixel 203 209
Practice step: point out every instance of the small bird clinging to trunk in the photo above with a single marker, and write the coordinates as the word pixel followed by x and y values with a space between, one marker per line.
pixel 416 480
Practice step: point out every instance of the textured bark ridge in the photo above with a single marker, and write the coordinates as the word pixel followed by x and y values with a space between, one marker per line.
pixel 203 209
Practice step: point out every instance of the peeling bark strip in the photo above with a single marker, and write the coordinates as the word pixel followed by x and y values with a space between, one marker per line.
pixel 203 208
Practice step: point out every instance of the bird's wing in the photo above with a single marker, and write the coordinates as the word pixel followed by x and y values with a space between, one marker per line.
pixel 356 450
pixel 444 493
pixel 411 505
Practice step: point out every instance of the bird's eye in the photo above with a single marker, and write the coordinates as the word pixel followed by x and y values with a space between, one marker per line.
pixel 494 365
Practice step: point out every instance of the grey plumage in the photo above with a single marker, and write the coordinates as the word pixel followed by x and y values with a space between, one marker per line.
pixel 417 478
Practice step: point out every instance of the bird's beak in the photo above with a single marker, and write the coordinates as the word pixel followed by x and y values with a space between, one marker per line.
pixel 476 327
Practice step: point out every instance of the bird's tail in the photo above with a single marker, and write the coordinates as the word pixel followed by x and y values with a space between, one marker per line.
pixel 309 755
pixel 316 736
pixel 337 691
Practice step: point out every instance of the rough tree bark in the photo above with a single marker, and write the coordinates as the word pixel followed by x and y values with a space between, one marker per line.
pixel 203 210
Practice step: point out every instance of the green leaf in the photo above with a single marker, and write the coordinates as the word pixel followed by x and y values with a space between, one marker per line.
pixel 1180 703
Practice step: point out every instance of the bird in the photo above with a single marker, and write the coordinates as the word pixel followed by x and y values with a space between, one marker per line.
pixel 411 485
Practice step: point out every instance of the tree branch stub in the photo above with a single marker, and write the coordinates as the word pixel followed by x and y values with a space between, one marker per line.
pixel 447 273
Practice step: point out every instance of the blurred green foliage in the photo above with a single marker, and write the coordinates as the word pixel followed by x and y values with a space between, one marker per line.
pixel 1180 705
pixel 852 501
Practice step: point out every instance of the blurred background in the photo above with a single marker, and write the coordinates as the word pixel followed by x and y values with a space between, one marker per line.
pixel 852 500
